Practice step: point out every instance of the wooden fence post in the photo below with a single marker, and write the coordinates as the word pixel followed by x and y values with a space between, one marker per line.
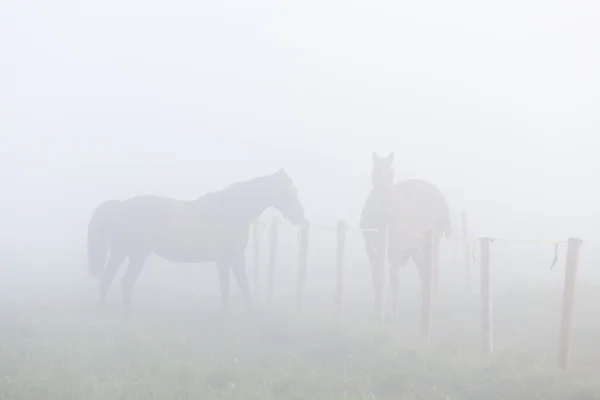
pixel 566 324
pixel 302 263
pixel 273 256
pixel 435 262
pixel 467 251
pixel 428 286
pixel 256 232
pixel 487 322
pixel 341 245
pixel 384 235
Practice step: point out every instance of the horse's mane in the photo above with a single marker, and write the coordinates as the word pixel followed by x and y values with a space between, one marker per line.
pixel 236 188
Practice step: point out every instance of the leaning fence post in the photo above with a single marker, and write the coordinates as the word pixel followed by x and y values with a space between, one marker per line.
pixel 487 322
pixel 256 231
pixel 566 324
pixel 273 256
pixel 341 244
pixel 384 234
pixel 302 263
pixel 467 251
pixel 428 286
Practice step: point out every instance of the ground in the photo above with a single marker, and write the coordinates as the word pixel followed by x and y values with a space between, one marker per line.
pixel 171 350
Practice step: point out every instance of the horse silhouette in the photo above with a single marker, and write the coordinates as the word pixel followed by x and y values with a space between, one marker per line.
pixel 409 208
pixel 212 228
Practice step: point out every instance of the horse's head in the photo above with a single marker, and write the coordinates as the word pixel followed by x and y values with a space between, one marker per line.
pixel 284 197
pixel 382 174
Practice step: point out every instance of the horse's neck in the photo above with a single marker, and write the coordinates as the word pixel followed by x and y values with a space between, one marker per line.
pixel 383 194
pixel 376 208
pixel 242 203
pixel 254 208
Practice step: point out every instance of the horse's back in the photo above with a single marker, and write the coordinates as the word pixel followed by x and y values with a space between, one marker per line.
pixel 150 201
pixel 180 230
pixel 151 213
pixel 422 203
pixel 411 207
pixel 109 210
pixel 108 206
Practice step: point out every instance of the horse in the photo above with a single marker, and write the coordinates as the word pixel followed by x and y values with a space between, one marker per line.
pixel 212 228
pixel 409 208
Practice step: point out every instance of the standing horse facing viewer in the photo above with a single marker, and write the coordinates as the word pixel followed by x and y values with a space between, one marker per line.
pixel 409 208
pixel 212 228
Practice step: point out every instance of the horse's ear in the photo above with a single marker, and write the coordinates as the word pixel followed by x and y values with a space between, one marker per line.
pixel 375 158
pixel 390 158
pixel 281 173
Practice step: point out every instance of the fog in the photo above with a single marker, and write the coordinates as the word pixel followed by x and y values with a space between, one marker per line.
pixel 494 103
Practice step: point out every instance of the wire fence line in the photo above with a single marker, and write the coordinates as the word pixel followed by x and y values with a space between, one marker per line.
pixel 269 237
pixel 471 246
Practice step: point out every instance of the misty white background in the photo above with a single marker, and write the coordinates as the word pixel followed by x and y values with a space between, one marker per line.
pixel 497 103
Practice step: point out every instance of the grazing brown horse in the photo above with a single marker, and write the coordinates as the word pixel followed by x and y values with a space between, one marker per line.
pixel 212 228
pixel 409 208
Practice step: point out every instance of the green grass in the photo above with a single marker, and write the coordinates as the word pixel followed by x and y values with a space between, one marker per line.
pixel 60 353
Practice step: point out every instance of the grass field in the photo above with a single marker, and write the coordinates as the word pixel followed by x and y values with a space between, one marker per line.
pixel 182 349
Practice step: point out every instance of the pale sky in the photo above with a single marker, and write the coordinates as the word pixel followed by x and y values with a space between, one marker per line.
pixel 497 103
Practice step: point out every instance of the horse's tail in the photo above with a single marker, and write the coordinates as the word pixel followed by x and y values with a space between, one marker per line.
pixel 99 236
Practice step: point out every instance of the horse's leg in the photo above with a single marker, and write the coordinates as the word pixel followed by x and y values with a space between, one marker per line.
pixel 239 271
pixel 424 275
pixel 370 239
pixel 436 262
pixel 395 265
pixel 395 284
pixel 223 268
pixel 377 280
pixel 419 259
pixel 114 263
pixel 136 263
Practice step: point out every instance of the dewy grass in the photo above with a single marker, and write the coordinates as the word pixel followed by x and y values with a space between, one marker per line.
pixel 59 354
